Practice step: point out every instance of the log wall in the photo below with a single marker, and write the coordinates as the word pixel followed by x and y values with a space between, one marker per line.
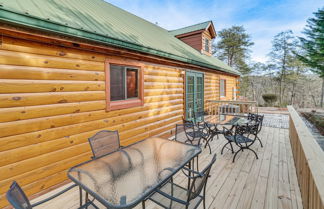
pixel 52 99
pixel 231 84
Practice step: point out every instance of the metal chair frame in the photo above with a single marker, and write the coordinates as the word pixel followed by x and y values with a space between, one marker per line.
pixel 189 127
pixel 242 132
pixel 194 191
pixel 27 205
pixel 206 128
pixel 258 119
pixel 91 141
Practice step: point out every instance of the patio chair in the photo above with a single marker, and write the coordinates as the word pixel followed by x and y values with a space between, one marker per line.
pixel 190 134
pixel 172 195
pixel 244 137
pixel 212 127
pixel 104 142
pixel 18 199
pixel 259 119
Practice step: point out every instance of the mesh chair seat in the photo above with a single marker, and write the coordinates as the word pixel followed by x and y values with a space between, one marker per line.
pixel 239 139
pixel 175 191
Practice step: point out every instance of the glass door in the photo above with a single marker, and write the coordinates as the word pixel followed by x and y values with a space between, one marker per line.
pixel 194 94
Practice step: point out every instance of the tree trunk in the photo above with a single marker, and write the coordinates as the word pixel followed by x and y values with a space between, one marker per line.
pixel 322 94
pixel 280 91
pixel 292 94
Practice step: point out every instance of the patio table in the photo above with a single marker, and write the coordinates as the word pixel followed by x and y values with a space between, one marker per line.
pixel 233 120
pixel 225 120
pixel 126 177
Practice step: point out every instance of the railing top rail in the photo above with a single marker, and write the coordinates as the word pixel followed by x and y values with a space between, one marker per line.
pixel 232 101
pixel 313 152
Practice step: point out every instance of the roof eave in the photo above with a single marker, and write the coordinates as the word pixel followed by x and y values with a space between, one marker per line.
pixel 32 22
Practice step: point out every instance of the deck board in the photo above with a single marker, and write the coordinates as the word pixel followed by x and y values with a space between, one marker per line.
pixel 268 182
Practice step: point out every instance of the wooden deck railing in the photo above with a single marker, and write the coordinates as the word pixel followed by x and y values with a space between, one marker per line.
pixel 231 106
pixel 309 162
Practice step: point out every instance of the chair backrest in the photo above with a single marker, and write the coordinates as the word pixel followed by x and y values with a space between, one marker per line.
pixel 257 118
pixel 252 116
pixel 17 198
pixel 198 115
pixel 241 129
pixel 104 142
pixel 199 182
pixel 187 133
pixel 260 121
pixel 253 128
pixel 180 134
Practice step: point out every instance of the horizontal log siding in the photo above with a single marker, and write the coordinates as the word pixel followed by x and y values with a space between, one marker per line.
pixel 53 98
pixel 211 85
pixel 230 84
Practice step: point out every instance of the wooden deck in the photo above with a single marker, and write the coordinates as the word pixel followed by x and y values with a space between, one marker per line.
pixel 269 182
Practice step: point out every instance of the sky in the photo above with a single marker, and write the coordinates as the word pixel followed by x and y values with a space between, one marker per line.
pixel 262 19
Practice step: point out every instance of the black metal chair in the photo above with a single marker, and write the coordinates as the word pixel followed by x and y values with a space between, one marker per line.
pixel 104 142
pixel 258 119
pixel 172 195
pixel 18 199
pixel 188 133
pixel 244 137
pixel 211 127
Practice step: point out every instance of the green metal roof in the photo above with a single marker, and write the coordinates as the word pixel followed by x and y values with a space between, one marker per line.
pixel 102 22
pixel 191 28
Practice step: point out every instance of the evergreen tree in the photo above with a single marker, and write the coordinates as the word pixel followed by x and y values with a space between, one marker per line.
pixel 233 48
pixel 313 46
pixel 282 54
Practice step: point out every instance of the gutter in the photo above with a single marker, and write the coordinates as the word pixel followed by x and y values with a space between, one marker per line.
pixel 47 25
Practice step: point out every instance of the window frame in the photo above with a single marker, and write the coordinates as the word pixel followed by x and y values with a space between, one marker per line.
pixel 220 83
pixel 207 48
pixel 127 103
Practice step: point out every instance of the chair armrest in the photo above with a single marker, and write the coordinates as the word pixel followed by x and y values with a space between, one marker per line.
pixel 171 197
pixel 54 196
pixel 198 174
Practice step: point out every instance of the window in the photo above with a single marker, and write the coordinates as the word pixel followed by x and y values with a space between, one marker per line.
pixel 222 87
pixel 124 86
pixel 206 45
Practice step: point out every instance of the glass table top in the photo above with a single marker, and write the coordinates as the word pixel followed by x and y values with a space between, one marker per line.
pixel 123 178
pixel 225 119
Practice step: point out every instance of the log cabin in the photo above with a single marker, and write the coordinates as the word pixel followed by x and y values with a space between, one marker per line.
pixel 69 69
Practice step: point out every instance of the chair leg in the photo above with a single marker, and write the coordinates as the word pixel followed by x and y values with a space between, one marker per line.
pixel 260 141
pixel 207 144
pixel 204 202
pixel 254 153
pixel 209 148
pixel 197 163
pixel 231 147
pixel 143 204
pixel 224 147
pixel 236 154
